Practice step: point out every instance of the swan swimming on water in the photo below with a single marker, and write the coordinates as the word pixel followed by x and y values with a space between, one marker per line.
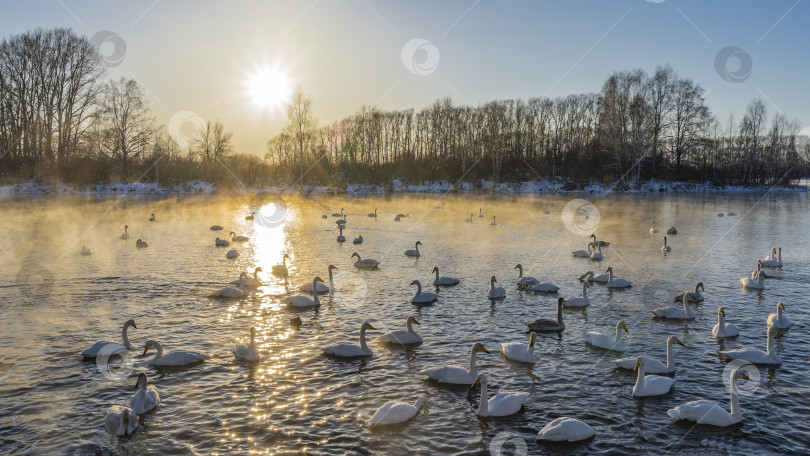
pixel 493 221
pixel 778 320
pixel 422 298
pixel 231 254
pixel 674 312
pixel 230 292
pixel 546 325
pixel 653 230
pixel 665 248
pixel 495 293
pixel 577 301
pixel 368 263
pixel 126 232
pixel 774 260
pixel 616 282
pixel 756 356
pixel 215 228
pixel 146 398
pixel 348 350
pixel 565 429
pixel 522 280
pixel 235 238
pixel 341 237
pixel 281 269
pixel 305 302
pixel 174 358
pixel 652 365
pixel 583 253
pixel 694 296
pixel 415 251
pixel 457 375
pixel 221 242
pixel 606 341
pixel 755 283
pixel 247 281
pixel 358 240
pixel 597 255
pixel 248 352
pixel 650 385
pixel 373 214
pixel 86 251
pixel 152 218
pixel 480 212
pixel 707 412
pixel 521 352
pixel 444 281
pixel 723 329
pixel 141 244
pixel 120 420
pixel 502 404
pixel 601 278
pixel 320 287
pixel 393 412
pixel 409 336
pixel 93 350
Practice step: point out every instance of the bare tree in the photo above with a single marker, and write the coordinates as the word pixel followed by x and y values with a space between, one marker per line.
pixel 300 124
pixel 212 142
pixel 127 120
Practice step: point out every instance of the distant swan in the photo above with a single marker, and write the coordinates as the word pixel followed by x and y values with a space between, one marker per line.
pixel 756 356
pixel 522 280
pixel 517 351
pixel 650 385
pixel 672 230
pixel 152 218
pixel 251 216
pixel 215 228
pixel 368 263
pixel 120 420
pixel 374 214
pixel 358 240
pixel 248 352
pixel 546 325
pixel 444 281
pixel 576 301
pixel 341 237
pixel 231 254
pixel 778 320
pixel 616 282
pixel 347 350
pixel 141 244
pixel 230 292
pixel 249 282
pixel 304 302
pixel 723 329
pixel 393 412
pixel 607 341
pixel 415 251
pixel 565 429
pixel 457 375
pixel 755 283
pixel 653 230
pixel 408 336
pixel 174 358
pixel 338 214
pixel 92 351
pixel 675 312
pixel 495 293
pixel 774 260
pixel 281 269
pixel 422 298
pixel 653 365
pixel 480 212
pixel 694 296
pixel 493 222
pixel 146 398
pixel 86 251
pixel 597 255
pixel 469 220
pixel 707 412
pixel 665 247
pixel 320 286
pixel 221 242
pixel 235 238
pixel 583 253
pixel 544 287
pixel 502 404
pixel 126 232
pixel 601 278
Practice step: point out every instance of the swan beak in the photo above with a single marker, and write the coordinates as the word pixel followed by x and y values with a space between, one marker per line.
pixel 678 341
pixel 371 327
pixel 415 321
pixel 531 341
pixel 477 382
pixel 744 375
pixel 722 312
pixel 625 328
pixel 487 351
pixel 778 333
pixel 134 325
pixel 145 349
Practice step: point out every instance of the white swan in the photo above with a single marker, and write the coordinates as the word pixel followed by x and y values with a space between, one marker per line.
pixel 221 242
pixel 480 212
pixel 422 298
pixel 723 329
pixel 408 336
pixel 544 287
pixel 230 292
pixel 320 287
pixel 281 269
pixel 126 232
pixel 152 218
pixel 616 282
pixel 523 280
pixel 778 320
pixel 120 420
pixel 665 248
pixel 342 221
pixel 373 214
pixel 774 260
pixel 650 385
pixel 215 228
pixel 86 251
pixel 577 301
pixel 393 412
pixel 653 365
pixel 672 230
pixel 583 253
pixel 502 404
pixel 754 283
pixel 495 293
pixel 674 312
pixel 706 412
pixel 653 230
pixel 305 302
pixel 174 358
pixel 146 398
pixel 351 350
pixel 590 277
pixel 694 296
pixel 247 281
pixel 606 341
pixel 597 255
pixel 415 251
pixel 493 222
pixel 756 356
pixel 565 429
pixel 457 375
pixel 235 238
pixel 251 216
pixel 92 351
pixel 248 352
pixel 440 207
pixel 546 325
pixel 368 263
pixel 731 214
pixel 444 281
pixel 517 351
pixel 338 214
pixel 341 237
pixel 358 240
pixel 141 244
pixel 231 254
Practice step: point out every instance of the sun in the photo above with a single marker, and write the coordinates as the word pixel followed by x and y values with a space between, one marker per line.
pixel 269 88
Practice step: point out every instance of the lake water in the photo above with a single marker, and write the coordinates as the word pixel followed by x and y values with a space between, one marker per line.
pixel 55 302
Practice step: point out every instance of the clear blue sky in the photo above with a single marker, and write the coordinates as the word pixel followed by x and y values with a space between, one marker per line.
pixel 198 55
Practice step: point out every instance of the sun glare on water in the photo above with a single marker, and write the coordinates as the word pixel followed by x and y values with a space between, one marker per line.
pixel 269 88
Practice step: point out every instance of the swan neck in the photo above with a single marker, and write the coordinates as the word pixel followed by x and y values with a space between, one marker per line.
pixel 473 370
pixel 492 283
pixel 315 292
pixel 437 275
pixel 770 343
pixel 584 292
pixel 640 378
pixel 735 400
pixel 363 344
pixel 669 354
pixel 330 277
pixel 124 335
pixel 520 271
pixel 419 402
pixel 409 326
pixel 559 314
pixel 483 408
pixel 779 313
pixel 418 288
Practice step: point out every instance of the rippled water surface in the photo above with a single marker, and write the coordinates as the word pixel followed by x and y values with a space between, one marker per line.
pixel 55 302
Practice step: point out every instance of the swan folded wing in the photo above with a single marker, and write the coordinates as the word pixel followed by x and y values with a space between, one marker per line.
pixel 450 374
pixel 566 429
pixel 345 350
pixel 655 385
pixel 753 355
pixel 299 301
pixel 144 401
pixel 400 337
pixel 703 412
pixel 180 358
pixel 392 412
pixel 92 351
pixel 503 404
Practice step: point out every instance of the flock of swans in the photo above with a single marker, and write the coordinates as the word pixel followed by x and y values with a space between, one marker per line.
pixel 652 375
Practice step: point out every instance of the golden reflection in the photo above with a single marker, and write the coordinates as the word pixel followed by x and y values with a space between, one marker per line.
pixel 270 239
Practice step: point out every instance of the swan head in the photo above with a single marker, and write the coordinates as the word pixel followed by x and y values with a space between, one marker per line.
pixel 739 373
pixel 243 274
pixel 583 276
pixel 435 269
pixel 480 380
pixel 479 347
pixel 759 264
pixel 356 255
pixel 258 269
pixel 286 256
pixel 131 323
pixel 700 285
pixel 774 331
pixel 252 332
pixel 639 362
pixel 412 319
pixel 316 279
pixel 674 340
pixel 721 311
pixel 621 324
pixel 366 326
pixel 609 269
pixel 492 279
pixel 779 305
pixel 126 227
pixel 142 381
pixel 532 337
pixel 232 234
pixel 593 236
pixel 418 242
pixel 518 266
pixel 332 266
pixel 560 302
pixel 151 344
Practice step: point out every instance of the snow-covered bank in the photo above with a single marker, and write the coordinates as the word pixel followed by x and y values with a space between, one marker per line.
pixel 556 185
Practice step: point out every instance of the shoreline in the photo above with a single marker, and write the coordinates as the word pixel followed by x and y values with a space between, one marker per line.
pixel 552 186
